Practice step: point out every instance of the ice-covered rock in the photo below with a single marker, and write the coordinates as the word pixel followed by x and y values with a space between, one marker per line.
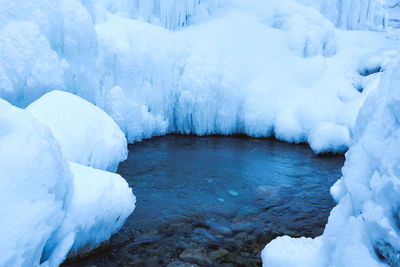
pixel 87 135
pixel 363 229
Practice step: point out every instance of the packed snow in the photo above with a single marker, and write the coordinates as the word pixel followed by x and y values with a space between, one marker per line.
pixel 96 74
pixel 87 135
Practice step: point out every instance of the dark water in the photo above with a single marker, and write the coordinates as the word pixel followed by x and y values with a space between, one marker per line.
pixel 217 201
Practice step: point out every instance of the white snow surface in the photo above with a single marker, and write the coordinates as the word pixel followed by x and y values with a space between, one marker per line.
pixel 49 206
pixel 87 135
pixel 99 204
pixel 261 68
pixel 363 229
pixel 34 182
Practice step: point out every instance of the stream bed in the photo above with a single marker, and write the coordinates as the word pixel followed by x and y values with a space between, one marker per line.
pixel 217 201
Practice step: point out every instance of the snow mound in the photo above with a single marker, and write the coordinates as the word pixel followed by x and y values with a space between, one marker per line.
pixel 99 204
pixel 329 137
pixel 284 251
pixel 363 229
pixel 34 182
pixel 50 206
pixel 87 135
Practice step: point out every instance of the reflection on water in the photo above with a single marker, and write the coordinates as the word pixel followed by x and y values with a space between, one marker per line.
pixel 218 200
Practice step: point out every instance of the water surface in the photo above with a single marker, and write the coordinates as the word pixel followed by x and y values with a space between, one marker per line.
pixel 217 200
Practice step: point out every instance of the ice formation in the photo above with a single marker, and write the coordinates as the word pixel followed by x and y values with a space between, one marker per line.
pixel 259 68
pixel 363 229
pixel 264 71
pixel 87 135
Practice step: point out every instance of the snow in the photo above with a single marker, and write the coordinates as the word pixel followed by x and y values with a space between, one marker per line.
pixel 288 69
pixel 362 229
pixel 99 204
pixel 87 135
pixel 284 251
pixel 50 206
pixel 28 66
pixel 260 69
pixel 34 183
pixel 171 14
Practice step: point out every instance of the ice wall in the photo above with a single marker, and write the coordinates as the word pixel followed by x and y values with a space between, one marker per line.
pixel 363 229
pixel 196 80
pixel 262 69
pixel 356 14
pixel 171 14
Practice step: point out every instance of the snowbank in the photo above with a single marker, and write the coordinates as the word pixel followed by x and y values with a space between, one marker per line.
pixel 87 135
pixel 363 229
pixel 34 182
pixel 98 206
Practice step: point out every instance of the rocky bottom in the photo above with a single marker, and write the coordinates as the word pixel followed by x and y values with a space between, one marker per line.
pixel 216 201
pixel 187 242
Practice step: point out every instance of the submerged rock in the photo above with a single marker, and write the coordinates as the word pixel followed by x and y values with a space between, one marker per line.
pixel 197 255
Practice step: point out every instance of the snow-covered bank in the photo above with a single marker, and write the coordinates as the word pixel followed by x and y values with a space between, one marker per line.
pixel 87 135
pixel 363 229
pixel 50 206
pixel 261 69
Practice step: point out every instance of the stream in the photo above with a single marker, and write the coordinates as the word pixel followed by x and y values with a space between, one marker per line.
pixel 217 201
